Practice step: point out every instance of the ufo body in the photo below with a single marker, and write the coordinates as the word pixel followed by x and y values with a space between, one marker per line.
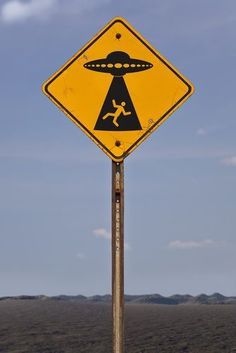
pixel 118 63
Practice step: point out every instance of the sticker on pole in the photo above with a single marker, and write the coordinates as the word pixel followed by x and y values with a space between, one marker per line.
pixel 118 89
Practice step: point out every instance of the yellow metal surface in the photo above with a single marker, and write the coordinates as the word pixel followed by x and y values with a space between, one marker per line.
pixel 81 88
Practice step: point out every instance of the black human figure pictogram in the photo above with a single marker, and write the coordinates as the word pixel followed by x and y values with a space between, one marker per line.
pixel 118 112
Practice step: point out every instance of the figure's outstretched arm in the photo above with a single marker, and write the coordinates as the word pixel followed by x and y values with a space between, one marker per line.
pixel 127 113
pixel 114 104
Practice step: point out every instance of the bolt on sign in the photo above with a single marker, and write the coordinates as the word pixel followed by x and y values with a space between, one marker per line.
pixel 118 89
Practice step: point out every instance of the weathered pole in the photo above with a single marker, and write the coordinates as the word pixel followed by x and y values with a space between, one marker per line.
pixel 118 256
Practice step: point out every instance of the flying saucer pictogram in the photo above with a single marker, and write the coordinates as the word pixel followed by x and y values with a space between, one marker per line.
pixel 118 112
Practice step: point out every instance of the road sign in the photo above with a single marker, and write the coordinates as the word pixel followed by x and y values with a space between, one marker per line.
pixel 118 89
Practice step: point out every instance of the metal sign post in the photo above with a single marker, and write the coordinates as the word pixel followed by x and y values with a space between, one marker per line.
pixel 118 256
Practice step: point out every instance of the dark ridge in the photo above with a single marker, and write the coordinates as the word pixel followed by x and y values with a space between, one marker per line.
pixel 100 298
pixel 181 299
pixel 26 297
pixel 68 297
pixel 176 299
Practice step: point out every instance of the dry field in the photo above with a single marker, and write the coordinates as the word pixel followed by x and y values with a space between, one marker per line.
pixel 48 326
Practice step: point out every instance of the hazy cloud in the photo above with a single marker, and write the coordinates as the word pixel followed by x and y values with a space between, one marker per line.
pixel 80 256
pixel 18 11
pixel 229 161
pixel 103 233
pixel 191 244
pixel 201 132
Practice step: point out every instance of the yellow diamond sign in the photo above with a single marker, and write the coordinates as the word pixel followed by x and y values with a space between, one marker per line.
pixel 118 89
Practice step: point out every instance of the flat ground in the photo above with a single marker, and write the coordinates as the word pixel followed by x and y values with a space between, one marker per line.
pixel 34 326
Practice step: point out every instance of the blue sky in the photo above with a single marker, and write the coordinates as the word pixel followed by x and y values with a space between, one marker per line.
pixel 55 183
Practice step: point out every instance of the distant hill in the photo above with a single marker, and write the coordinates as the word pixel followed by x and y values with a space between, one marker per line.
pixel 176 299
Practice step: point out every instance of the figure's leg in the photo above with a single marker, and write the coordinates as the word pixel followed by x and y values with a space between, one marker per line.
pixel 107 116
pixel 115 121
